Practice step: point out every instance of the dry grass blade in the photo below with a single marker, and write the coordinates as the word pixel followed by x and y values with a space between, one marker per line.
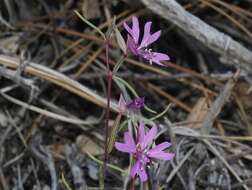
pixel 57 79
pixel 217 105
pixel 233 20
pixel 43 111
pixel 218 154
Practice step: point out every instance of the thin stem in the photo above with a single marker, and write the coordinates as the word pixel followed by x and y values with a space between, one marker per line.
pixel 132 181
pixel 107 115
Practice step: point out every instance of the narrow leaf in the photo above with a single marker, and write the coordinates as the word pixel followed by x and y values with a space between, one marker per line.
pixel 90 24
pixel 120 41
pixel 113 133
pixel 111 28
pixel 67 186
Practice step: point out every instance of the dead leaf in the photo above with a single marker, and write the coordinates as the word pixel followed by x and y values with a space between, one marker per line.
pixel 242 91
pixel 57 148
pixel 86 144
pixel 198 113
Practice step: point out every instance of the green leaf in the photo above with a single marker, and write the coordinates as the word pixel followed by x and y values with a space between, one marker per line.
pixel 111 28
pixel 67 186
pixel 160 114
pixel 120 41
pixel 101 177
pixel 114 133
pixel 118 64
pixel 90 24
pixel 111 166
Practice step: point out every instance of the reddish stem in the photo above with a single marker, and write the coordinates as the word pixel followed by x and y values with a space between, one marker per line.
pixel 132 182
pixel 107 114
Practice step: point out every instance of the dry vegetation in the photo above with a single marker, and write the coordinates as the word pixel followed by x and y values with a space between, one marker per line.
pixel 53 93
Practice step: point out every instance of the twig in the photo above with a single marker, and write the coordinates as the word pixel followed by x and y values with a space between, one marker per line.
pixel 42 111
pixel 223 160
pixel 217 105
pixel 175 170
pixel 3 181
pixel 77 172
pixel 58 79
pixel 216 153
pixel 43 154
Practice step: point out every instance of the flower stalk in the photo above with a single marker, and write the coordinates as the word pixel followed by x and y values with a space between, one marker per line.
pixel 107 114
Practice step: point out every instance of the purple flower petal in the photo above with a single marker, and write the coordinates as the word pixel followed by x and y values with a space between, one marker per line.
pixel 153 37
pixel 149 39
pixel 151 134
pixel 162 155
pixel 161 56
pixel 124 147
pixel 146 35
pixel 142 173
pixel 136 103
pixel 144 159
pixel 159 148
pixel 129 145
pixel 132 46
pixel 141 132
pixel 135 29
pixel 126 26
pixel 157 57
pixel 128 139
pixel 135 169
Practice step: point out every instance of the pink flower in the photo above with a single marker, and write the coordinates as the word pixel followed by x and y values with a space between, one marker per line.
pixel 134 105
pixel 141 49
pixel 142 151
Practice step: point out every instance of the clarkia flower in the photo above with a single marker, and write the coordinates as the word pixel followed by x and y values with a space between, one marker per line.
pixel 133 105
pixel 136 104
pixel 142 152
pixel 141 48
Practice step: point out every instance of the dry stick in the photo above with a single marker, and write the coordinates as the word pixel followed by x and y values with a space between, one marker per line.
pixel 73 45
pixel 176 169
pixel 217 105
pixel 194 133
pixel 3 180
pixel 45 156
pixel 88 62
pixel 168 96
pixel 167 74
pixel 58 79
pixel 233 20
pixel 3 183
pixel 77 172
pixel 244 116
pixel 218 154
pixel 246 181
pixel 234 53
pixel 107 114
pixel 193 73
pixel 235 9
